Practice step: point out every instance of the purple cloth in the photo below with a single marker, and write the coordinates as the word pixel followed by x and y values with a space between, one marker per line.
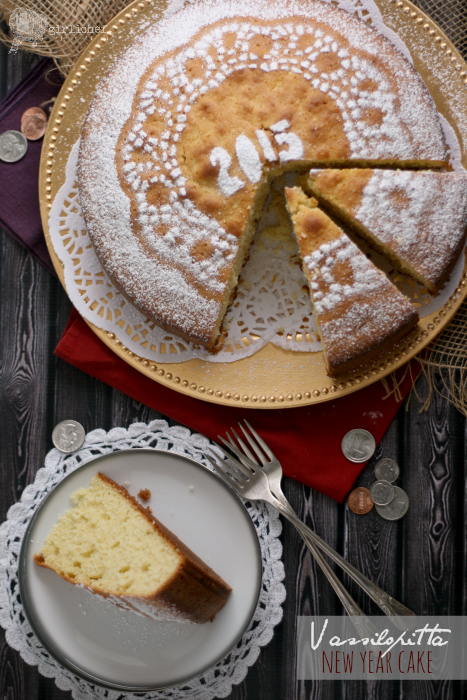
pixel 19 191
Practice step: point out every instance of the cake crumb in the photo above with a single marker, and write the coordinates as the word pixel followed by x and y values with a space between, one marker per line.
pixel 192 488
pixel 77 496
pixel 126 484
pixel 144 494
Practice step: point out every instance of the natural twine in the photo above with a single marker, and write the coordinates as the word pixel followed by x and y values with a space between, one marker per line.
pixel 446 359
pixel 447 355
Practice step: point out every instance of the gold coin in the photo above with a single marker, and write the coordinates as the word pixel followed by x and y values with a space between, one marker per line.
pixel 359 501
pixel 33 111
pixel 33 127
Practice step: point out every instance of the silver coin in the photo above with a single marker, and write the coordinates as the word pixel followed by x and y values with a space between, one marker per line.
pixel 387 470
pixel 398 506
pixel 358 445
pixel 382 493
pixel 68 436
pixel 13 146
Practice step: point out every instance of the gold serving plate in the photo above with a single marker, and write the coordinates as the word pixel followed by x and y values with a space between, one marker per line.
pixel 273 377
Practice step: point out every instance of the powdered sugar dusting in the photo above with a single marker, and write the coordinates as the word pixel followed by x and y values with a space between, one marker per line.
pixel 157 267
pixel 159 610
pixel 357 307
pixel 376 322
pixel 422 216
pixel 328 291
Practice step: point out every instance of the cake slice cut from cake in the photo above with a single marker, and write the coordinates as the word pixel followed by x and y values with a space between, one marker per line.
pixel 114 547
pixel 358 310
pixel 417 219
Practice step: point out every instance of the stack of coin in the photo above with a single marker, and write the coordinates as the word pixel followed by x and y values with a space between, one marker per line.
pixel 391 502
pixel 33 123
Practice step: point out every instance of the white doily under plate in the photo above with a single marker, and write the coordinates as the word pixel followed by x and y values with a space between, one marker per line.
pixel 272 303
pixel 216 682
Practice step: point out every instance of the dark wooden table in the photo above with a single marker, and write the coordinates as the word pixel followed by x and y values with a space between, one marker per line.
pixel 421 559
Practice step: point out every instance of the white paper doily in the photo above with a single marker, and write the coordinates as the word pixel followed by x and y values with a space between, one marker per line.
pixel 216 682
pixel 272 303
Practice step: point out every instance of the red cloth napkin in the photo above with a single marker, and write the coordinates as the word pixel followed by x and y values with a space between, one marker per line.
pixel 306 440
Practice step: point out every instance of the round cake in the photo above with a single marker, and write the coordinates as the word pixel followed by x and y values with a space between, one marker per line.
pixel 193 121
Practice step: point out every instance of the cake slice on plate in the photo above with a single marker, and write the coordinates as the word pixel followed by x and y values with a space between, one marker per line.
pixel 358 310
pixel 417 219
pixel 112 546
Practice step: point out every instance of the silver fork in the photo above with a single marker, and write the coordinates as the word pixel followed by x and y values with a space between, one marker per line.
pixel 252 481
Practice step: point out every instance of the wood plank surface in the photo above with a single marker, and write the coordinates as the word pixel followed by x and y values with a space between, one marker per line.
pixel 421 559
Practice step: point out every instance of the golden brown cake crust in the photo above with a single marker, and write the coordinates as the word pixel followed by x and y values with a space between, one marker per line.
pixel 192 116
pixel 358 310
pixel 195 590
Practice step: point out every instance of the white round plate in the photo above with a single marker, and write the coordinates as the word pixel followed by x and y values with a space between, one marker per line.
pixel 117 648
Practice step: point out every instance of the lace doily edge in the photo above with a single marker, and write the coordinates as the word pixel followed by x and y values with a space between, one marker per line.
pixel 16 636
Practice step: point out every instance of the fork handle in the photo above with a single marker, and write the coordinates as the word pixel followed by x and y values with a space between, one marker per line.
pixel 362 624
pixel 389 605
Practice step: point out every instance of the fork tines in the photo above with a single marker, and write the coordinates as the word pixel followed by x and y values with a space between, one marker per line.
pixel 266 449
pixel 221 469
pixel 249 463
pixel 230 469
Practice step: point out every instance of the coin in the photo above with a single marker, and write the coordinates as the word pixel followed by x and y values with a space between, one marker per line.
pixel 68 436
pixel 358 445
pixel 359 501
pixel 387 470
pixel 382 493
pixel 13 146
pixel 33 110
pixel 398 506
pixel 33 127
